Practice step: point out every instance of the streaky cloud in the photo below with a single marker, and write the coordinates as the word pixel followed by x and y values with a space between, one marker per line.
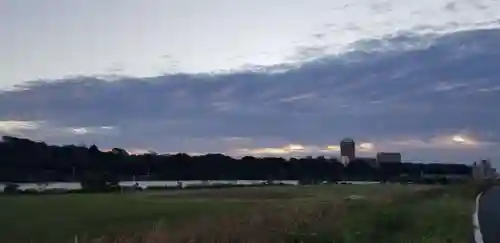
pixel 370 93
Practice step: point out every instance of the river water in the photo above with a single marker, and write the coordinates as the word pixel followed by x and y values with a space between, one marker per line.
pixel 143 184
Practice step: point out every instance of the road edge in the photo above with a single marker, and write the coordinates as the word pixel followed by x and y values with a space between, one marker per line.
pixel 478 237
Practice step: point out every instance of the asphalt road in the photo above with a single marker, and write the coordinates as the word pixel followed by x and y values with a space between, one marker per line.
pixel 488 214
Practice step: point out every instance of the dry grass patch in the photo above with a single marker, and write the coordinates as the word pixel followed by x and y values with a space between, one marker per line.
pixel 229 193
pixel 263 223
pixel 431 215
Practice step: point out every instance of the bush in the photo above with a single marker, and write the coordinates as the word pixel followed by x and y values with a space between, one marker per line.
pixel 484 185
pixel 11 189
pixel 94 181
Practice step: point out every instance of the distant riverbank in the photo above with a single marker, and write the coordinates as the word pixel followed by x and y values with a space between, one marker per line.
pixel 142 184
pixel 40 187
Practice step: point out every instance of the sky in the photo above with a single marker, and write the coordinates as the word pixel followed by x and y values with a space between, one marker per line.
pixel 274 77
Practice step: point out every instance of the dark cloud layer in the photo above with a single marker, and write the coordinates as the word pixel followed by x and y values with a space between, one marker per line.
pixel 385 89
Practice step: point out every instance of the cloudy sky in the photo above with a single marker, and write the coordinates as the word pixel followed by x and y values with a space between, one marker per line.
pixel 255 77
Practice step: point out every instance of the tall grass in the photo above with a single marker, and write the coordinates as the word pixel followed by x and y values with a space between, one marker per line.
pixel 432 216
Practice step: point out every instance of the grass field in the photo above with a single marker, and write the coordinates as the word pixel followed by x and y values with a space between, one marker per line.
pixel 380 213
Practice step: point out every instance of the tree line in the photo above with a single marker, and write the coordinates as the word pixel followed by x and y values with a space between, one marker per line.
pixel 24 160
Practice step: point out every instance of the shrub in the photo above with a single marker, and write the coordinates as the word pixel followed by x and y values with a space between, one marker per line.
pixel 11 189
pixel 94 181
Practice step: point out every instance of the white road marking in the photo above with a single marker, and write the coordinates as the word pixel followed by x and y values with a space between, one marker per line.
pixel 478 237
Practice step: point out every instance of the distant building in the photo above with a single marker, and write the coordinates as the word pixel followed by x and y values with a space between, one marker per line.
pixel 483 170
pixel 348 149
pixel 344 160
pixel 369 161
pixel 388 157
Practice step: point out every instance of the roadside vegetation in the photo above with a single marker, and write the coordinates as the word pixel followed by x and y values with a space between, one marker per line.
pixel 320 213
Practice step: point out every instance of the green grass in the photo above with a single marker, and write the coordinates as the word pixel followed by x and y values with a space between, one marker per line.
pixel 421 219
pixel 388 213
pixel 56 218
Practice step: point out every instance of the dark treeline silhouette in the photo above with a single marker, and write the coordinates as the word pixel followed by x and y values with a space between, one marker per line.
pixel 23 160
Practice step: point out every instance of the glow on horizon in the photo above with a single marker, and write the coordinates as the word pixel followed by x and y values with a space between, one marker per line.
pixel 458 139
pixel 366 146
pixel 461 139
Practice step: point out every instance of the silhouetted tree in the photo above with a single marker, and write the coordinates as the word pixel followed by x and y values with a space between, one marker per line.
pixel 23 160
pixel 119 151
